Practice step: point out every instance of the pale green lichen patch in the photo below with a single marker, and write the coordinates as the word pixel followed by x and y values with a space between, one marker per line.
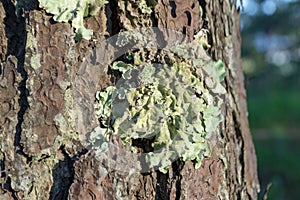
pixel 98 138
pixel 103 108
pixel 144 7
pixel 74 12
pixel 169 105
pixel 121 66
pixel 175 105
pixel 35 58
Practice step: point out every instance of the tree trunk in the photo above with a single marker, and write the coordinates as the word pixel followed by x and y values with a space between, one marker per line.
pixel 44 153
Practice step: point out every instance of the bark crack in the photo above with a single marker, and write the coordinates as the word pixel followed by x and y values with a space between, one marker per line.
pixel 161 190
pixel 15 28
pixel 177 168
pixel 113 24
pixel 63 175
pixel 7 186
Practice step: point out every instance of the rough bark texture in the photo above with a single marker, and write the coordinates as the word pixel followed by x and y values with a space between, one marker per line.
pixel 42 158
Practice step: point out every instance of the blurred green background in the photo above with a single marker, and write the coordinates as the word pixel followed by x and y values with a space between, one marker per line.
pixel 271 63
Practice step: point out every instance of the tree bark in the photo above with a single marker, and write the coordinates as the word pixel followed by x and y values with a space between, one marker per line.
pixel 42 155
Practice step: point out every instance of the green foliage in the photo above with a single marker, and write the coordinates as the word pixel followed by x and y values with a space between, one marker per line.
pixel 66 11
pixel 279 108
pixel 272 79
pixel 279 163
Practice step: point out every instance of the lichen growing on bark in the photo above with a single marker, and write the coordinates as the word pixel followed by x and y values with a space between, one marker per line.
pixel 66 11
pixel 177 107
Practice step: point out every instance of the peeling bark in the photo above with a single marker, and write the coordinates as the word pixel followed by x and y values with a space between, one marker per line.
pixel 44 156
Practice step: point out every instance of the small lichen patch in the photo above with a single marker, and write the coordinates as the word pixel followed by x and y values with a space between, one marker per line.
pixel 134 14
pixel 103 108
pixel 35 58
pixel 144 8
pixel 74 12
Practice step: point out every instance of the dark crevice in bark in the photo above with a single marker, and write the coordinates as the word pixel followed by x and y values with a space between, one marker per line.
pixel 144 144
pixel 202 3
pixel 79 154
pixel 161 190
pixel 177 166
pixel 15 28
pixel 239 138
pixel 2 167
pixel 63 176
pixel 113 18
pixel 205 25
pixel 154 19
pixel 108 13
pixel 229 79
pixel 249 195
pixel 7 186
pixel 173 11
pixel 238 194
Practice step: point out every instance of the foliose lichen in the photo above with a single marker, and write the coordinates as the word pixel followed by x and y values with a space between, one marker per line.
pixel 175 107
pixel 66 11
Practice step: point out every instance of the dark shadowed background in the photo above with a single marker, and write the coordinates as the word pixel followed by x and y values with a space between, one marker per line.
pixel 271 62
